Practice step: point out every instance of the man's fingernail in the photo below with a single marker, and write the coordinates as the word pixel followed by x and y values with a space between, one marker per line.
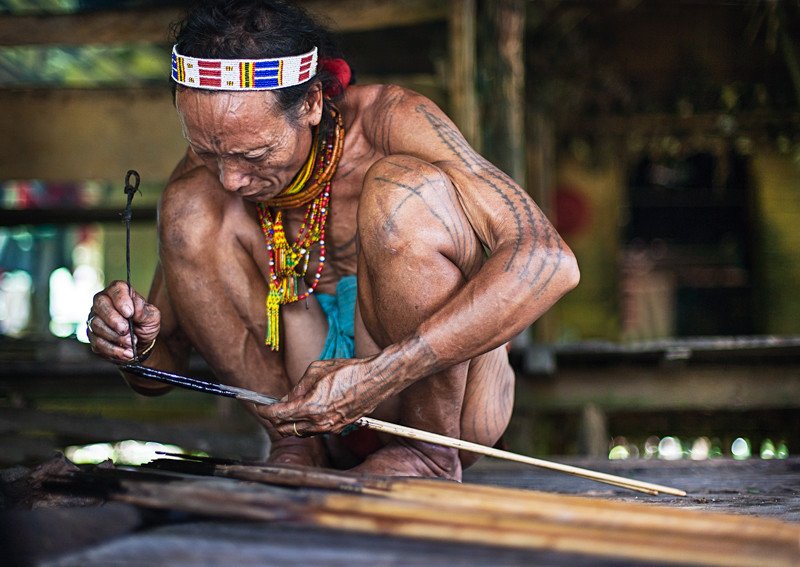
pixel 285 398
pixel 128 354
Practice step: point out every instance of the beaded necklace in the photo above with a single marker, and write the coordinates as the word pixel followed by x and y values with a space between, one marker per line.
pixel 288 263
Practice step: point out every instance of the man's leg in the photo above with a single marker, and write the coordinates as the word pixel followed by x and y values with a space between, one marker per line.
pixel 217 290
pixel 417 250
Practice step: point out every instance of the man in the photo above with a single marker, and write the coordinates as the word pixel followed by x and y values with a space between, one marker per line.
pixel 384 241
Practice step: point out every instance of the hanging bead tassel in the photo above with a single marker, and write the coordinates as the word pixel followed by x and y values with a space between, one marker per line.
pixel 273 338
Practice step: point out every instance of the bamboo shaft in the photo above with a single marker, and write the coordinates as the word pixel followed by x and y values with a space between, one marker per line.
pixel 428 437
pixel 591 511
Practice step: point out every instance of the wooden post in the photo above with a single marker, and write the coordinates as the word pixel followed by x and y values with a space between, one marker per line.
pixel 503 73
pixel 594 432
pixel 461 74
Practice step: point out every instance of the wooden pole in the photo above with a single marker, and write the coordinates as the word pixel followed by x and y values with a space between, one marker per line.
pixel 152 24
pixel 461 73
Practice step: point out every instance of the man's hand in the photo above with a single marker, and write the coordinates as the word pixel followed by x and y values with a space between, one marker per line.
pixel 108 324
pixel 331 395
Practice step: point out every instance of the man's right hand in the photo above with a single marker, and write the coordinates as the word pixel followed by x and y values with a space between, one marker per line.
pixel 107 323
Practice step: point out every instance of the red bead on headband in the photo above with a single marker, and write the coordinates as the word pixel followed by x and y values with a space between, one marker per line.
pixel 243 74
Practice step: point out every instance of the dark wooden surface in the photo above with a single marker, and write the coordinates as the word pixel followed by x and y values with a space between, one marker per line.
pixel 127 535
pixel 766 488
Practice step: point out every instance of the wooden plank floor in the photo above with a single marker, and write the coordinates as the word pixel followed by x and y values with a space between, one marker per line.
pixel 754 487
pixel 766 488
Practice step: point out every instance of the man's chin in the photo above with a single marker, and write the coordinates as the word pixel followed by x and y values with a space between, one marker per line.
pixel 259 196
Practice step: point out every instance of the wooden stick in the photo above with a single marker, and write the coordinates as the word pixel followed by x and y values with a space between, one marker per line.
pixel 435 438
pixel 408 432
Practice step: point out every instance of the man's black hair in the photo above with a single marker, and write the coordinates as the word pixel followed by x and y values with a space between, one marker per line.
pixel 257 29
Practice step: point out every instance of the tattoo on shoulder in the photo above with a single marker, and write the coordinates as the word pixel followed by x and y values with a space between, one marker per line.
pixel 533 267
pixel 384 116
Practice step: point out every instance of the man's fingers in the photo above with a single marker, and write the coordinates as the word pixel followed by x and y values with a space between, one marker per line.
pixel 110 350
pixel 278 413
pixel 145 313
pixel 100 329
pixel 121 298
pixel 105 309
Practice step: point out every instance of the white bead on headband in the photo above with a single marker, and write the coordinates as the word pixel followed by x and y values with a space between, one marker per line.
pixel 243 74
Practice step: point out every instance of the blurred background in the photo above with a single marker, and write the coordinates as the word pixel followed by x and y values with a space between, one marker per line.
pixel 660 136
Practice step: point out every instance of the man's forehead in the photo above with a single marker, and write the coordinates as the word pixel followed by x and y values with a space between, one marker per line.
pixel 191 102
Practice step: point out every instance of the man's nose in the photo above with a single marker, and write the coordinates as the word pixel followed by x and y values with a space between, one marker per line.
pixel 232 175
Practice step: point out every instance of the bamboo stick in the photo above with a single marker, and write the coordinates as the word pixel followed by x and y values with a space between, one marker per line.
pixel 435 438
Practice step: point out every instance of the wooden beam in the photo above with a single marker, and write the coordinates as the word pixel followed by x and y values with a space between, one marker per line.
pixel 463 105
pixel 706 387
pixel 152 25
pixel 99 134
pixel 68 216
pixel 147 25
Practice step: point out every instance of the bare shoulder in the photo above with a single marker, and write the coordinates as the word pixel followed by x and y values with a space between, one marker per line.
pixel 401 121
pixel 193 202
pixel 392 116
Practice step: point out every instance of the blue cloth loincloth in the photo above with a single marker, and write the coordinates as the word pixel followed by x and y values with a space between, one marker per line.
pixel 340 309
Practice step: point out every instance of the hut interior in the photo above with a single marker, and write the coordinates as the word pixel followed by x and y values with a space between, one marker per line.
pixel 662 138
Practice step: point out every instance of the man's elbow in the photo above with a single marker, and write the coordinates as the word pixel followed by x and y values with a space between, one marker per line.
pixel 573 273
pixel 568 275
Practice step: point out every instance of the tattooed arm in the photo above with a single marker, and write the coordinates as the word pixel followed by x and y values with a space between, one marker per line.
pixel 529 266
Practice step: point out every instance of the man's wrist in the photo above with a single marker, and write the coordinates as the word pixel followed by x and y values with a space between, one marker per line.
pixel 146 352
pixel 408 360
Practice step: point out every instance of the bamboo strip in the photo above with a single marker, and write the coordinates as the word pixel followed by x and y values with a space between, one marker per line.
pixel 533 504
pixel 590 511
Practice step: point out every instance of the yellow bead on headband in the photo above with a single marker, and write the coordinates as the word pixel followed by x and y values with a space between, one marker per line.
pixel 243 74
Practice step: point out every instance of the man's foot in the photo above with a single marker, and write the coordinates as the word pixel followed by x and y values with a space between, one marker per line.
pixel 308 452
pixel 412 458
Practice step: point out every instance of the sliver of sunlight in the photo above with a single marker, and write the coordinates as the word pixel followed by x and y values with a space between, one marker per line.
pixel 128 452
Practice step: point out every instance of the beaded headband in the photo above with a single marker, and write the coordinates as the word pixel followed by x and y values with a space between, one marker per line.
pixel 243 74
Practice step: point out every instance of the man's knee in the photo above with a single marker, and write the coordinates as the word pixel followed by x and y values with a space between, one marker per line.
pixel 400 197
pixel 186 229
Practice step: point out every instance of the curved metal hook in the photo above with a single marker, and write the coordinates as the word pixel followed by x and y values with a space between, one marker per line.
pixel 135 187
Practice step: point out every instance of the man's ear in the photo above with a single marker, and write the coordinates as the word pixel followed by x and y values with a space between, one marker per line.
pixel 312 106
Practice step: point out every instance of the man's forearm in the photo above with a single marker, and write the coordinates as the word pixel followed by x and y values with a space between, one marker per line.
pixel 487 312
